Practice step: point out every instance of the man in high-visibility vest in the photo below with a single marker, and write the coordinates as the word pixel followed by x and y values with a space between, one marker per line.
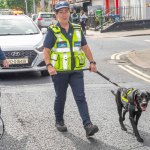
pixel 65 49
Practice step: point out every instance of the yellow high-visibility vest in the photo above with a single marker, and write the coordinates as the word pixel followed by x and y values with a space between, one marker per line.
pixel 63 54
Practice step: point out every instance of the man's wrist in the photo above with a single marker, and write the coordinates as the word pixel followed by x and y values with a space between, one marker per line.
pixel 49 64
pixel 93 62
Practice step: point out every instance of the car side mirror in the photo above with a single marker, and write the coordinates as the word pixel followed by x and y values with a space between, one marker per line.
pixel 44 30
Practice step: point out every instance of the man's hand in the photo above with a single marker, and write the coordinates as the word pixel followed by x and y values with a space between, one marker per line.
pixel 51 70
pixel 5 63
pixel 93 67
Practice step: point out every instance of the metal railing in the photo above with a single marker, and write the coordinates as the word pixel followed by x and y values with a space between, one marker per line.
pixel 125 14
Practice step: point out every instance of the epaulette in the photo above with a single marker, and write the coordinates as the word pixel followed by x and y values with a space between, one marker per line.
pixel 55 29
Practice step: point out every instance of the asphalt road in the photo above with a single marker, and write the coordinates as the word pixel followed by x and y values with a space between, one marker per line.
pixel 27 106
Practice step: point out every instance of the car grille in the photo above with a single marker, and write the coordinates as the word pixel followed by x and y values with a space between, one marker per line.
pixel 30 54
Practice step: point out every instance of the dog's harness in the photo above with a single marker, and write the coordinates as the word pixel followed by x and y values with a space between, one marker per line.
pixel 128 97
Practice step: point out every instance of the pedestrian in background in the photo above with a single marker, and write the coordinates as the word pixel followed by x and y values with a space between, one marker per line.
pixel 74 17
pixel 3 59
pixel 62 52
pixel 83 20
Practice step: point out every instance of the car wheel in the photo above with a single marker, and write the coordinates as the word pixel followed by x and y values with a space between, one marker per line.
pixel 44 73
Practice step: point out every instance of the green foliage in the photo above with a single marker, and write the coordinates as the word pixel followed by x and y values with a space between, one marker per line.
pixel 20 4
pixel 16 4
pixel 3 4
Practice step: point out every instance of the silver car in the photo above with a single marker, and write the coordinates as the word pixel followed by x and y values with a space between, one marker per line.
pixel 45 19
pixel 22 42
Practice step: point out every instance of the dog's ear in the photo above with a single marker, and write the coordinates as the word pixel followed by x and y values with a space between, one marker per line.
pixel 148 94
pixel 132 96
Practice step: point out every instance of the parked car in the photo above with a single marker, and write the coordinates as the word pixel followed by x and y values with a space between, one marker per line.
pixel 45 19
pixel 22 42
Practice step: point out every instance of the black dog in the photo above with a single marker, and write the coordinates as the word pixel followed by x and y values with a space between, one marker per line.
pixel 135 101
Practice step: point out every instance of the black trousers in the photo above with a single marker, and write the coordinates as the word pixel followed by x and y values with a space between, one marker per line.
pixel 76 82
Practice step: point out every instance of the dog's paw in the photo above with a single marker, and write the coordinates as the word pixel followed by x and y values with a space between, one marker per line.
pixel 140 140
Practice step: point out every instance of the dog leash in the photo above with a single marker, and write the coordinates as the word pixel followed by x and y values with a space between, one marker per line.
pixel 102 75
pixel 85 69
pixel 107 79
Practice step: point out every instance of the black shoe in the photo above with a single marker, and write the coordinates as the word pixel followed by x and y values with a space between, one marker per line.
pixel 61 126
pixel 91 129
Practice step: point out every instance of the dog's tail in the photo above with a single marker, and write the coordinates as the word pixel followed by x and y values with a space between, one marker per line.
pixel 113 92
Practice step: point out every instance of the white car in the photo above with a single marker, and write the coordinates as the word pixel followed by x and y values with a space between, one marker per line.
pixel 45 19
pixel 22 42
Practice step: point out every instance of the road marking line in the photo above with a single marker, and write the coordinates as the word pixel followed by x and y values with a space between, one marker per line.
pixel 147 40
pixel 116 55
pixel 130 69
pixel 139 72
pixel 113 56
pixel 119 54
pixel 131 72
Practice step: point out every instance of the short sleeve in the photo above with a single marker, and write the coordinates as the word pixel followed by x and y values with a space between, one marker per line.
pixel 50 39
pixel 2 55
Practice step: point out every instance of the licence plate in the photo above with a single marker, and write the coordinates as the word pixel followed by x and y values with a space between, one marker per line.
pixel 47 20
pixel 18 61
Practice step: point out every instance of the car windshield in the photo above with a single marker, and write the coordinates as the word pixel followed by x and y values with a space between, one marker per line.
pixel 47 15
pixel 17 27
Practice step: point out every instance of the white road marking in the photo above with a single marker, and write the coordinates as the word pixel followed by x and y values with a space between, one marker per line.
pixel 131 72
pixel 119 54
pixel 147 40
pixel 139 72
pixel 115 56
pixel 130 69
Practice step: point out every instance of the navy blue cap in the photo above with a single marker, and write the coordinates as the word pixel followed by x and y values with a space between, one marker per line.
pixel 61 4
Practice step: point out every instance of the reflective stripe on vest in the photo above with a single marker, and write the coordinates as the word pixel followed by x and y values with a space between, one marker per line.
pixel 65 61
pixel 60 55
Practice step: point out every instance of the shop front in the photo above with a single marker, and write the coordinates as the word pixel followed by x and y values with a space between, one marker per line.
pixel 80 4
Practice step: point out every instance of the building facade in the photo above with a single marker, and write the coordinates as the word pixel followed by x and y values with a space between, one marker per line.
pixel 129 9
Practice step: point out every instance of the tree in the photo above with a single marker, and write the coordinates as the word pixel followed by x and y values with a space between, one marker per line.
pixel 16 4
pixel 3 4
pixel 20 4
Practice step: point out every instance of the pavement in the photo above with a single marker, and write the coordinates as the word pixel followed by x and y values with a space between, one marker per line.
pixel 140 58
